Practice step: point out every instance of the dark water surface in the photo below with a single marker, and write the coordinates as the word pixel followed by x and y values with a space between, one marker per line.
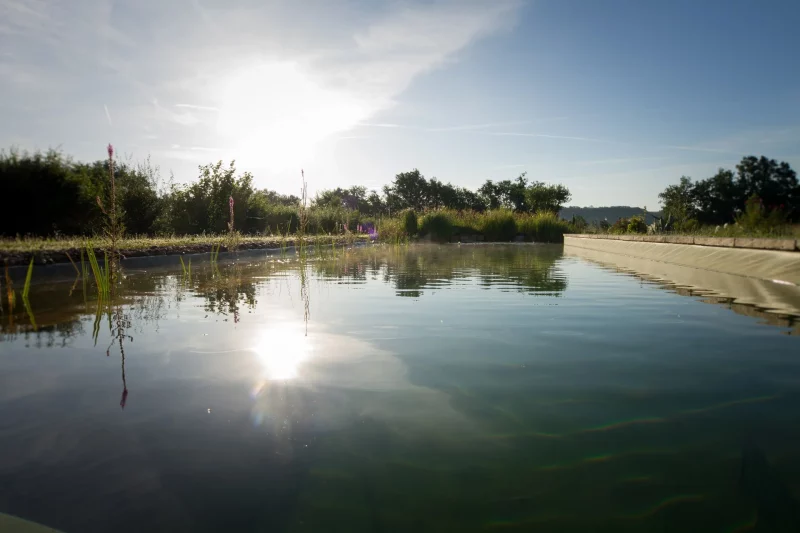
pixel 455 388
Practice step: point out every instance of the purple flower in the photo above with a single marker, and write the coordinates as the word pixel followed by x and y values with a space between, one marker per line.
pixel 110 151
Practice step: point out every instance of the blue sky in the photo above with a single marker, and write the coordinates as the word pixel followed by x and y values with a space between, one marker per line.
pixel 614 99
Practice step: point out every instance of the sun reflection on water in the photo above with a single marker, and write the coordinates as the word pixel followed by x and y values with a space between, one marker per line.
pixel 282 350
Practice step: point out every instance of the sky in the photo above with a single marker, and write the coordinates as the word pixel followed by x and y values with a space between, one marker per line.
pixel 614 99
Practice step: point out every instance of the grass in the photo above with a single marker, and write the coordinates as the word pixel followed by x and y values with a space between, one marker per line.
pixel 187 270
pixel 28 245
pixel 102 276
pixel 26 290
pixel 499 225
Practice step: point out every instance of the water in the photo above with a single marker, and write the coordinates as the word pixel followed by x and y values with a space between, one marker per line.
pixel 454 388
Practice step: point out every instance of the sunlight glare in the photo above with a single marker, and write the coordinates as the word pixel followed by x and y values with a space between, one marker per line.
pixel 282 351
pixel 275 114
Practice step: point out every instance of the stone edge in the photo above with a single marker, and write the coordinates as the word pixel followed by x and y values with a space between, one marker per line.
pixel 722 242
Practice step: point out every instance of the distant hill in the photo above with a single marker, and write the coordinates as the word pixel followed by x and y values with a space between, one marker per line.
pixel 612 214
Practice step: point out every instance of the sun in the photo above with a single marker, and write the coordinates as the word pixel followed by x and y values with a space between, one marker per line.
pixel 276 113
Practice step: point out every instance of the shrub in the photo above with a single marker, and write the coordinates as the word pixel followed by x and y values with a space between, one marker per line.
pixel 438 225
pixel 408 220
pixel 758 219
pixel 636 224
pixel 498 225
pixel 619 227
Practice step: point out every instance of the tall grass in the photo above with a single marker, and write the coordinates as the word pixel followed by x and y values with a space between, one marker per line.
pixel 187 269
pixel 102 276
pixel 542 227
pixel 499 225
pixel 438 225
pixel 302 214
pixel 26 289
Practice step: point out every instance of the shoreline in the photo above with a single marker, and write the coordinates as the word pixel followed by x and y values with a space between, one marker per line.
pixel 50 252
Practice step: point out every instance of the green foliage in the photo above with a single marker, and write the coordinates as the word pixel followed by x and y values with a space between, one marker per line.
pixel 26 289
pixel 498 225
pixel 408 220
pixel 619 227
pixel 543 227
pixel 578 224
pixel 438 225
pixel 102 278
pixel 541 197
pixel 636 224
pixel 723 197
pixel 678 201
pixel 146 206
pixel 757 219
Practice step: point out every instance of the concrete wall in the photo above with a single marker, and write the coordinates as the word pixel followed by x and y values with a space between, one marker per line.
pixel 764 299
pixel 772 265
pixel 787 245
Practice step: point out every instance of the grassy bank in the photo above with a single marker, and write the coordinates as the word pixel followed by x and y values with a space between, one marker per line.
pixel 438 226
pixel 499 225
pixel 63 249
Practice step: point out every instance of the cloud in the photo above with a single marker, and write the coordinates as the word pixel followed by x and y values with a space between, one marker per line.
pixel 474 127
pixel 549 136
pixel 108 115
pixel 259 77
pixel 199 107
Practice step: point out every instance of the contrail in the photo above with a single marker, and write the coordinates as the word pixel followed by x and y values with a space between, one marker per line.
pixel 108 115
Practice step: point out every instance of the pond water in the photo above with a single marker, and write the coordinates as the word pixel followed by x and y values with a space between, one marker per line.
pixel 451 388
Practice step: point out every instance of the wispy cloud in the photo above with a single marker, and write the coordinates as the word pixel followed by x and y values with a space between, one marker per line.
pixel 476 127
pixel 199 107
pixel 697 149
pixel 108 115
pixel 382 125
pixel 550 136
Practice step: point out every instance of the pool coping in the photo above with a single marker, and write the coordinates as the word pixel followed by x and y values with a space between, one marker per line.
pixel 776 265
pixel 786 245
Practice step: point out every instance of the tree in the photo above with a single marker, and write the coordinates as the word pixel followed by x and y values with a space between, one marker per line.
pixel 490 193
pixel 541 197
pixel 717 198
pixel 678 201
pixel 774 183
pixel 409 189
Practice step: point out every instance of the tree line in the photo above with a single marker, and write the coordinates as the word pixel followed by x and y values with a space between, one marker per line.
pixel 59 196
pixel 760 188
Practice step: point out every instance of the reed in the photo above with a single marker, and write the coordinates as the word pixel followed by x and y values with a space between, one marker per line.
pixel 101 275
pixel 26 290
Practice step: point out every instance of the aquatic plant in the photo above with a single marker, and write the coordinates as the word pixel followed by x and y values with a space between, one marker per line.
pixel 187 269
pixel 302 213
pixel 114 227
pixel 102 277
pixel 26 292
